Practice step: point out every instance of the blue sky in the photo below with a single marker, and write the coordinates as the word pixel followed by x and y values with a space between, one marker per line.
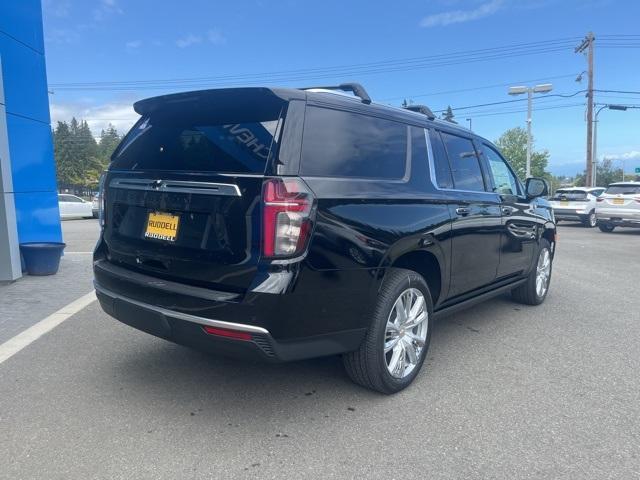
pixel 388 48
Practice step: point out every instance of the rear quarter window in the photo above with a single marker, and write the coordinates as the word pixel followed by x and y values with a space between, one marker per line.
pixel 344 144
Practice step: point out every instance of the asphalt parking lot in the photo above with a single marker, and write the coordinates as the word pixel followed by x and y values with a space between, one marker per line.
pixel 508 391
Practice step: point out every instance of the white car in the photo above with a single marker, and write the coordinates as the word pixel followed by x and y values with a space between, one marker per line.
pixel 74 207
pixel 619 206
pixel 576 203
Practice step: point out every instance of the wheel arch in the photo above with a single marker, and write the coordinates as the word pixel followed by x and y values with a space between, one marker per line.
pixel 426 264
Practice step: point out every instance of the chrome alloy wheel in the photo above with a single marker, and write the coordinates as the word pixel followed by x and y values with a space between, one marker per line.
pixel 543 272
pixel 406 333
pixel 593 221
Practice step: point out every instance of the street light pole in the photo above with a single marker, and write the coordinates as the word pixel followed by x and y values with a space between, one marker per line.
pixel 469 120
pixel 529 108
pixel 543 88
pixel 594 168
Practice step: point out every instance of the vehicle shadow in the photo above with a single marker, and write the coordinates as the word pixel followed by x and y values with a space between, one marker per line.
pixel 212 385
pixel 617 231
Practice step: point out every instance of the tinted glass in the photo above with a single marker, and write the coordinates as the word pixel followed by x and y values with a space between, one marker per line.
pixel 503 179
pixel 69 198
pixel 465 166
pixel 419 152
pixel 570 195
pixel 201 139
pixel 441 166
pixel 623 189
pixel 344 144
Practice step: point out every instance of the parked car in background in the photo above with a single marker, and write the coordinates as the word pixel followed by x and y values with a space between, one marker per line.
pixel 74 207
pixel 577 204
pixel 287 224
pixel 95 205
pixel 619 206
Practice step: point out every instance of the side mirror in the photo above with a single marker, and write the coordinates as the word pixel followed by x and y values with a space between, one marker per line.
pixel 536 187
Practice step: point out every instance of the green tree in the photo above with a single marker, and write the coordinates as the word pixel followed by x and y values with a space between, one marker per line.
pixel 605 174
pixel 109 140
pixel 448 115
pixel 68 169
pixel 513 144
pixel 76 154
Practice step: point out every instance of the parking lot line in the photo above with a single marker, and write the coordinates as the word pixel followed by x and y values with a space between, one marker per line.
pixel 31 334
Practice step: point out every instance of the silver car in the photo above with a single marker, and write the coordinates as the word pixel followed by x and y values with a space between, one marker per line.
pixel 577 204
pixel 619 206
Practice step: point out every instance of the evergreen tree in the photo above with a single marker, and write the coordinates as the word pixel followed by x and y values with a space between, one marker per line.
pixel 67 169
pixel 109 140
pixel 448 115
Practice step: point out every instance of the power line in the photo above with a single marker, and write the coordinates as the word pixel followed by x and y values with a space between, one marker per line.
pixel 473 89
pixel 433 61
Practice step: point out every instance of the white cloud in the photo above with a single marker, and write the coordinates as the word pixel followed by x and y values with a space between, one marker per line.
pixel 213 36
pixel 216 37
pixel 460 16
pixel 57 8
pixel 132 45
pixel 631 155
pixel 120 115
pixel 105 9
pixel 189 40
pixel 61 35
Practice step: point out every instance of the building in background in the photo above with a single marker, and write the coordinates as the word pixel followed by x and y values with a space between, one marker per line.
pixel 28 199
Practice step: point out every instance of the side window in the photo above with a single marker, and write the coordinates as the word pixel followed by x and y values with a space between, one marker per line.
pixel 503 179
pixel 465 165
pixel 442 169
pixel 344 144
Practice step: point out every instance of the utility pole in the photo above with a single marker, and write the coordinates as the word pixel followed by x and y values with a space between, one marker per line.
pixel 587 44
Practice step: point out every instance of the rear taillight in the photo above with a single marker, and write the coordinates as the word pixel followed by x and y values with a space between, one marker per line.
pixel 599 199
pixel 101 201
pixel 286 222
pixel 637 199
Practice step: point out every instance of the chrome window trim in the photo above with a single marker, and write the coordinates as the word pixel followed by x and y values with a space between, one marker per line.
pixel 176 186
pixel 432 170
pixel 242 327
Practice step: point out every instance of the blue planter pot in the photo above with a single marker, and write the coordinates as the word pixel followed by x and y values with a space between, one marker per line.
pixel 42 258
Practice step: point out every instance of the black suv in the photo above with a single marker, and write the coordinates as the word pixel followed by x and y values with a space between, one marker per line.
pixel 294 223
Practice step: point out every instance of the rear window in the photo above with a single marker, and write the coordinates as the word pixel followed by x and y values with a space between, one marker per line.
pixel 570 195
pixel 202 138
pixel 345 144
pixel 623 189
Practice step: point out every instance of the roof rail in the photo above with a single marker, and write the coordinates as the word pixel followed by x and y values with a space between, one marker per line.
pixel 423 109
pixel 357 89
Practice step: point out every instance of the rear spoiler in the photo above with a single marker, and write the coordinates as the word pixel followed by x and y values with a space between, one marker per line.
pixel 224 95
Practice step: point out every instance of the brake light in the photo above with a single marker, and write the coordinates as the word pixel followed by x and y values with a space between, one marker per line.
pixel 599 199
pixel 101 201
pixel 637 199
pixel 286 222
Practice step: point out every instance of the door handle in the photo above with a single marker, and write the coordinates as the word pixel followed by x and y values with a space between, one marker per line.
pixel 463 211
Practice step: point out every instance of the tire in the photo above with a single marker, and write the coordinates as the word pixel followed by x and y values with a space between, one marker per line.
pixel 370 366
pixel 606 227
pixel 590 221
pixel 529 292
